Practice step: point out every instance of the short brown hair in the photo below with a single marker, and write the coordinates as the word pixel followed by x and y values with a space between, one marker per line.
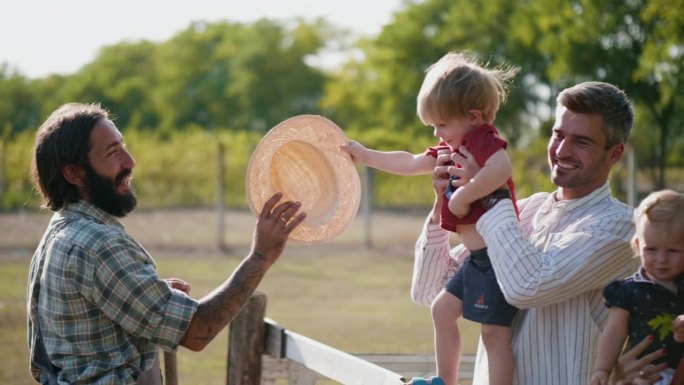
pixel 63 139
pixel 602 99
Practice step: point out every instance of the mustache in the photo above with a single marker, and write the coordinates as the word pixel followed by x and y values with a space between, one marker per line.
pixel 122 175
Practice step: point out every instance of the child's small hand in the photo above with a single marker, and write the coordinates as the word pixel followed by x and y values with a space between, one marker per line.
pixel 457 207
pixel 178 284
pixel 600 377
pixel 355 149
pixel 678 328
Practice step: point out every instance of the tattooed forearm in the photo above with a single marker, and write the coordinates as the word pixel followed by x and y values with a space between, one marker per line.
pixel 218 308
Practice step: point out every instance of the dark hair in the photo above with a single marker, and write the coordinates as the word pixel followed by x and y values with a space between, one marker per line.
pixel 64 139
pixel 603 99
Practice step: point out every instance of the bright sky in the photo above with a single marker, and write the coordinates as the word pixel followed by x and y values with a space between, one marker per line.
pixel 40 37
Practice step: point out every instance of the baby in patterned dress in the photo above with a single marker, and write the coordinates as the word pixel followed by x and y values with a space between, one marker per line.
pixel 646 304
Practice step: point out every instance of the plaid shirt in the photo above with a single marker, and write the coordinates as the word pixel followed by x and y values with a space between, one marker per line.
pixel 101 307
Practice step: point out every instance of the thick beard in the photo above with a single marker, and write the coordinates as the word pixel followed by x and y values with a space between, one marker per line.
pixel 103 193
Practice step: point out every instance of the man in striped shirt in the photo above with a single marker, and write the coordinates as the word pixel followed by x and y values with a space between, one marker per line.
pixel 554 262
pixel 97 310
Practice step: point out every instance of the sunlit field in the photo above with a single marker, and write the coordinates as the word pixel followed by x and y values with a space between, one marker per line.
pixel 342 293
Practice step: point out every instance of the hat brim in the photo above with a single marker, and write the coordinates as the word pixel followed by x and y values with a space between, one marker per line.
pixel 301 158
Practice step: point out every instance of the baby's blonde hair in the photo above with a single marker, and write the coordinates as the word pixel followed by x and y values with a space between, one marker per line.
pixel 665 207
pixel 458 83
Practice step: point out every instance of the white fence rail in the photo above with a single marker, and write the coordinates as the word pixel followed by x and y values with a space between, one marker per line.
pixel 261 352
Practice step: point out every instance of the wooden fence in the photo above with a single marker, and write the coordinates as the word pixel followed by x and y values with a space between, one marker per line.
pixel 261 352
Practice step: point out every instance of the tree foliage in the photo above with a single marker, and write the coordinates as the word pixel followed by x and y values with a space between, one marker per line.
pixel 213 75
pixel 247 77
pixel 379 90
pixel 238 76
pixel 635 44
pixel 19 106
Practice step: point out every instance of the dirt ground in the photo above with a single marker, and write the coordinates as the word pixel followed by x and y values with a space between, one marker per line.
pixel 195 230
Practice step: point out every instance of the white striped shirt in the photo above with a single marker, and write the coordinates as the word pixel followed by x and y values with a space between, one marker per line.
pixel 553 263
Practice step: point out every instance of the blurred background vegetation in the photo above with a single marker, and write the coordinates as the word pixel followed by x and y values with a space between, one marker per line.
pixel 229 83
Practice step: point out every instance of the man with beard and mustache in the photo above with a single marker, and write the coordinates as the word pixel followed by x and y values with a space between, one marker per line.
pixel 553 262
pixel 97 310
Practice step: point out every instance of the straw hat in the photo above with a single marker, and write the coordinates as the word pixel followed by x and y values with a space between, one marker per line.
pixel 301 158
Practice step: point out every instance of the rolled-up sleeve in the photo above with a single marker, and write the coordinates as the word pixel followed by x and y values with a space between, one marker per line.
pixel 174 320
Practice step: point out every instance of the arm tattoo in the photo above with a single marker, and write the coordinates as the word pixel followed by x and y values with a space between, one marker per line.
pixel 217 309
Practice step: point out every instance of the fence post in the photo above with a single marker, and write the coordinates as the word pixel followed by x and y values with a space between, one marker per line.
pixel 246 343
pixel 367 206
pixel 220 211
pixel 298 374
pixel 631 177
pixel 5 136
pixel 170 368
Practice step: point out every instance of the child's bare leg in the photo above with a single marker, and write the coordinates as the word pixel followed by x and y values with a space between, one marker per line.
pixel 497 342
pixel 446 310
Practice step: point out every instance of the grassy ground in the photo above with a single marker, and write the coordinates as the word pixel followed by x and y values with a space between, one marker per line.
pixel 340 293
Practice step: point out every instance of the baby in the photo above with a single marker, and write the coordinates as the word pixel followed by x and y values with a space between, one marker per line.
pixel 647 304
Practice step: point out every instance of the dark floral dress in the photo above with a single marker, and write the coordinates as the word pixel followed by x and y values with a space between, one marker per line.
pixel 652 308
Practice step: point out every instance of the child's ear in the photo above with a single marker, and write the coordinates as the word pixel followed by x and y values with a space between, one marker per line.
pixel 74 174
pixel 635 245
pixel 475 115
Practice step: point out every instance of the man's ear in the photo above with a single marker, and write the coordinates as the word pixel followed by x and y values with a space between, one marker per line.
pixel 74 174
pixel 617 152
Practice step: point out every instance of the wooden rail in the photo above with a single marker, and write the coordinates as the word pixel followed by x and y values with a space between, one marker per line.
pixel 261 352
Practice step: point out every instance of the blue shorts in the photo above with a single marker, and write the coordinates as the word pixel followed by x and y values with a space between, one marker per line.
pixel 475 285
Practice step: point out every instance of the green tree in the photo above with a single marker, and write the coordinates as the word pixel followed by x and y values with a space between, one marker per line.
pixel 18 105
pixel 380 88
pixel 635 44
pixel 240 76
pixel 120 78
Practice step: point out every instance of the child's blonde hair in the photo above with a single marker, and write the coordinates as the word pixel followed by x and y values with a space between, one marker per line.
pixel 458 83
pixel 664 207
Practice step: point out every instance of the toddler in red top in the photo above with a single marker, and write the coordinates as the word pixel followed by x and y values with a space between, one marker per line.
pixel 482 142
pixel 459 99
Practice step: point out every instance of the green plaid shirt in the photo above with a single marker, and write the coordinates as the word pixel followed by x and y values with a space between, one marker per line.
pixel 101 307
